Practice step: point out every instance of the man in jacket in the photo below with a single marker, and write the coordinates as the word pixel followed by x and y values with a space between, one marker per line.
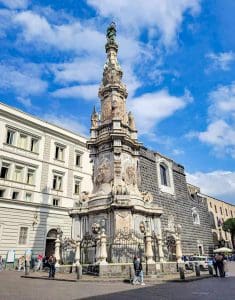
pixel 52 262
pixel 138 271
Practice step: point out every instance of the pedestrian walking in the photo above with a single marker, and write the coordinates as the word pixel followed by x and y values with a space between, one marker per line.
pixel 215 266
pixel 52 262
pixel 21 263
pixel 1 263
pixel 225 262
pixel 139 275
pixel 39 262
pixel 220 264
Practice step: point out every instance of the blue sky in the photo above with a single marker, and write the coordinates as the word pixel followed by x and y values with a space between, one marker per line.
pixel 178 58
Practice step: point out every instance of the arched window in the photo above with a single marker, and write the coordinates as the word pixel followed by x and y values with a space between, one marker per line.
pixel 164 175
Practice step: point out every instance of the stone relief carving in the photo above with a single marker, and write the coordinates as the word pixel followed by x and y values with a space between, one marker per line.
pixel 103 172
pixel 106 110
pixel 117 111
pixel 129 176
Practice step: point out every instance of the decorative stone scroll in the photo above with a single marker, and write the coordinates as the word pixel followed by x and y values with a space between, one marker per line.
pixel 147 197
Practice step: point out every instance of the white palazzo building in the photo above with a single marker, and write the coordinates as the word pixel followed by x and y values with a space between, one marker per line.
pixel 43 169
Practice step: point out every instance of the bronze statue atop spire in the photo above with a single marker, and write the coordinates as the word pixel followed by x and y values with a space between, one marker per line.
pixel 111 32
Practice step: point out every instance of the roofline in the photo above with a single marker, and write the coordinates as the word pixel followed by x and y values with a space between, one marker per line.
pixel 211 196
pixel 42 120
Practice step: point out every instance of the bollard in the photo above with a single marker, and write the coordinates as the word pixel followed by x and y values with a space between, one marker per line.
pixel 197 269
pixel 27 266
pixel 182 275
pixel 210 269
pixel 79 272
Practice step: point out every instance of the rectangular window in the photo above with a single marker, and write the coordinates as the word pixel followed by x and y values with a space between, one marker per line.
pixel 34 145
pixel 28 197
pixel 30 176
pixel 215 209
pixel 22 142
pixel 210 205
pixel 77 187
pixel 2 193
pixel 56 202
pixel 57 182
pixel 4 170
pixel 226 211
pixel 221 211
pixel 59 152
pixel 18 174
pixel 10 137
pixel 23 235
pixel 78 160
pixel 231 214
pixel 15 195
pixel 163 173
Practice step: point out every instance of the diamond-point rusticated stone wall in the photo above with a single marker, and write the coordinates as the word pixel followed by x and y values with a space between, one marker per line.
pixel 179 205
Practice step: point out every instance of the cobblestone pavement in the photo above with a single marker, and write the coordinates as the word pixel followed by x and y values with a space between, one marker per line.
pixel 13 287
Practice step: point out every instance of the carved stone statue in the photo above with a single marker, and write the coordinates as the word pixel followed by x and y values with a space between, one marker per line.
pixel 95 228
pixel 94 119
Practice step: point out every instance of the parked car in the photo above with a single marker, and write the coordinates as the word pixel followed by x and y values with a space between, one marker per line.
pixel 201 261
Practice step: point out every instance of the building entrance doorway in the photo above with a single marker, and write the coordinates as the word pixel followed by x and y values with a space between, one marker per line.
pixel 50 242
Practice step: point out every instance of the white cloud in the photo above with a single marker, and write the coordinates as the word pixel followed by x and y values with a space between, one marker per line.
pixel 67 37
pixel 24 80
pixel 220 132
pixel 25 101
pixel 86 92
pixel 220 61
pixel 222 102
pixel 178 151
pixel 15 4
pixel 159 17
pixel 149 109
pixel 220 184
pixel 83 70
pixel 86 66
pixel 69 122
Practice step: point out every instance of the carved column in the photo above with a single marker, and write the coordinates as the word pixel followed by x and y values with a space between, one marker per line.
pixel 97 254
pixel 57 251
pixel 148 247
pixel 160 249
pixel 178 249
pixel 103 248
pixel 77 252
